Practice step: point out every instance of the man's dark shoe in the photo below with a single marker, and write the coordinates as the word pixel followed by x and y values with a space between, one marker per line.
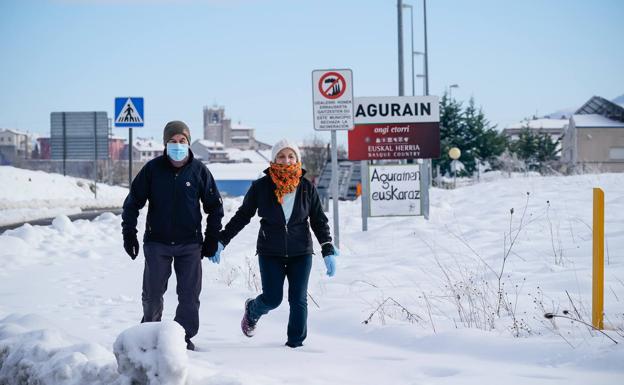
pixel 293 345
pixel 190 345
pixel 248 325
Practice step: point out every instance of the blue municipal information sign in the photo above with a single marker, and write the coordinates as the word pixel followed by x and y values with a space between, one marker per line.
pixel 129 112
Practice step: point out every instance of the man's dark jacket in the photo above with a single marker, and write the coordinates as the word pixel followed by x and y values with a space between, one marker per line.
pixel 173 215
pixel 276 237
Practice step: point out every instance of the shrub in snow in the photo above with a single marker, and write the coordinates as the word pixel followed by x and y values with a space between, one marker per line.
pixel 33 353
pixel 153 353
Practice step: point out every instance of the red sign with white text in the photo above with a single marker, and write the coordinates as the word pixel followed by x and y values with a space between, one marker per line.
pixel 394 141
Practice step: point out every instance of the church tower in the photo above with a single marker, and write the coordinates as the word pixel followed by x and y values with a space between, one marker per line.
pixel 214 123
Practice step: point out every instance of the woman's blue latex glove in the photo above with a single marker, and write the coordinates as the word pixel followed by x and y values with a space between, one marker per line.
pixel 329 257
pixel 217 257
pixel 330 263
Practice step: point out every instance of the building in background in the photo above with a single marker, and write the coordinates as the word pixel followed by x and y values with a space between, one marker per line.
pixel 14 145
pixel 144 149
pixel 594 138
pixel 553 127
pixel 116 147
pixel 79 135
pixel 210 151
pixel 43 145
pixel 219 128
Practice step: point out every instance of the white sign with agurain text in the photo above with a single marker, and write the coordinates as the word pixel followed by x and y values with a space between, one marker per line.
pixel 394 190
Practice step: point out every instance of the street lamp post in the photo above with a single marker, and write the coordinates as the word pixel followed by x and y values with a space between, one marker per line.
pixel 421 76
pixel 400 41
pixel 411 9
pixel 451 90
pixel 426 49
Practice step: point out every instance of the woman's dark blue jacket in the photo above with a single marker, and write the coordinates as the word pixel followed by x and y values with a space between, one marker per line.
pixel 276 237
pixel 174 195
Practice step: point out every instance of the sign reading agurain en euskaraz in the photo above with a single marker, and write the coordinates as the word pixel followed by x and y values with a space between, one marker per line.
pixel 394 190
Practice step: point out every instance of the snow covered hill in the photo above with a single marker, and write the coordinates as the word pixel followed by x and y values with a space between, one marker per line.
pixel 26 195
pixel 413 301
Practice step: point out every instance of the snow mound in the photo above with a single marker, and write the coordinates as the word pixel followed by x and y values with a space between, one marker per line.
pixel 153 353
pixel 31 352
pixel 64 225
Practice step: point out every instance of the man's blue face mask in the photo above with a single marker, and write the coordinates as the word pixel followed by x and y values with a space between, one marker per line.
pixel 177 151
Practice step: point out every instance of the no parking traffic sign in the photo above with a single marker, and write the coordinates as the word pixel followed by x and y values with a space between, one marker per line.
pixel 332 97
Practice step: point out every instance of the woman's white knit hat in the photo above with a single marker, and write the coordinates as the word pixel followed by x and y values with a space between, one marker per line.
pixel 282 144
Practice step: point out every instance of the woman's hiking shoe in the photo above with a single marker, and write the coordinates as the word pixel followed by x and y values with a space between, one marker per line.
pixel 247 325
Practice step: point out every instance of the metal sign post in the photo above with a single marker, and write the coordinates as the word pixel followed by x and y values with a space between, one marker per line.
pixel 95 155
pixel 334 187
pixel 365 193
pixel 332 100
pixel 425 181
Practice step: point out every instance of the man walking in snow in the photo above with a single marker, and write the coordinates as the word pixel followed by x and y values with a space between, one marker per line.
pixel 174 184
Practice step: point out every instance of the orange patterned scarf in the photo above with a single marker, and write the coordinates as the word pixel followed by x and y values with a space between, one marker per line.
pixel 286 178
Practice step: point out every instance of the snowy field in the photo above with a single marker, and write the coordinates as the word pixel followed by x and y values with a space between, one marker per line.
pixel 27 195
pixel 413 301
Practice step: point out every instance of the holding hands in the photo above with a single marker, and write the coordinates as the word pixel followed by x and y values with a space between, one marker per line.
pixel 216 257
pixel 212 248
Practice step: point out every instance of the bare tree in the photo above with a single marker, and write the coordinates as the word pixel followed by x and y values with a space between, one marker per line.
pixel 315 153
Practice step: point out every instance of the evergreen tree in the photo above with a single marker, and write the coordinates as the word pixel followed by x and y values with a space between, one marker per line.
pixel 450 126
pixel 484 143
pixel 547 150
pixel 525 147
pixel 536 149
pixel 469 131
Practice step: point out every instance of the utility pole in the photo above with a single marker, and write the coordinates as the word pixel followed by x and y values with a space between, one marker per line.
pixel 400 35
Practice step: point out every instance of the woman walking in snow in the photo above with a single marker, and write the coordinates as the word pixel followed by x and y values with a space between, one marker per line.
pixel 288 206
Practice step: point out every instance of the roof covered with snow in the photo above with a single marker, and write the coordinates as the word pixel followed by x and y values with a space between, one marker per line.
pixel 595 121
pixel 249 156
pixel 209 143
pixel 544 123
pixel 142 144
pixel 12 131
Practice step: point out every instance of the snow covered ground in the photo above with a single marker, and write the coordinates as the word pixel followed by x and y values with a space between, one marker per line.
pixel 26 195
pixel 413 301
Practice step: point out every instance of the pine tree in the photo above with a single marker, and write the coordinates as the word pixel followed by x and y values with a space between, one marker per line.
pixel 450 126
pixel 525 147
pixel 487 143
pixel 469 131
pixel 536 149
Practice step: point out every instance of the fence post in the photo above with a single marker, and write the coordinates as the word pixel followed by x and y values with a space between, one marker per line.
pixel 598 260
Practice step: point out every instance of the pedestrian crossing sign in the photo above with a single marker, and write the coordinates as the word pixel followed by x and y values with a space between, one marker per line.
pixel 129 112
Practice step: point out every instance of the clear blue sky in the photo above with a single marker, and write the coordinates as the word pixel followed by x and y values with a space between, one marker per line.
pixel 516 58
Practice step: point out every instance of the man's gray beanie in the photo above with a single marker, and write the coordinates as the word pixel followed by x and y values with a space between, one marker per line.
pixel 176 127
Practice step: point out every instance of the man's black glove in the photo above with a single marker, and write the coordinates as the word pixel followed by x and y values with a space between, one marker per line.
pixel 131 244
pixel 209 247
pixel 327 249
